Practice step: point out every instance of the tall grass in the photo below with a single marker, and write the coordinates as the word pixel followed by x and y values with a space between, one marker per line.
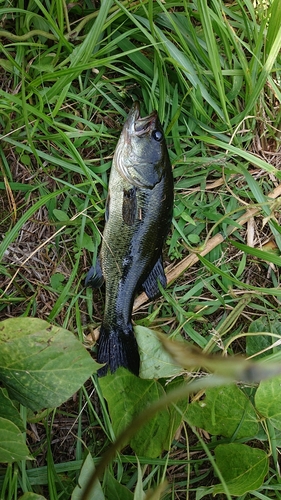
pixel 69 73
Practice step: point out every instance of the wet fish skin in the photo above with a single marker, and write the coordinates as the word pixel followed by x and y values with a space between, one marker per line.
pixel 138 217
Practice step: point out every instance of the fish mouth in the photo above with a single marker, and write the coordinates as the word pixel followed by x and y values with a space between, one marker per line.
pixel 137 125
pixel 133 126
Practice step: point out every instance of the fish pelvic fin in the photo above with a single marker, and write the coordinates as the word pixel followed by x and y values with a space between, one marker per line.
pixel 118 347
pixel 94 276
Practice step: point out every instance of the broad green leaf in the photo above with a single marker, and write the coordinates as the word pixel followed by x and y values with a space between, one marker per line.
pixel 152 439
pixel 155 361
pixel 57 281
pixel 87 242
pixel 9 411
pixel 243 468
pixel 218 414
pixel 268 400
pixel 41 365
pixel 113 489
pixel 258 343
pixel 12 444
pixel 61 215
pixel 87 470
pixel 194 239
pixel 25 159
pixel 127 396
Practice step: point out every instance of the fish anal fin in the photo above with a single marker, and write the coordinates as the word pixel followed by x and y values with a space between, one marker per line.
pixel 94 277
pixel 150 285
pixel 129 207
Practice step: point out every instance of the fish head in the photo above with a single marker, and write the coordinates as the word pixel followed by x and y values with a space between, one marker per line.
pixel 141 155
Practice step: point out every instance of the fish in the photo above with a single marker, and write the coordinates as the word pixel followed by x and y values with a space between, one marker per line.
pixel 138 217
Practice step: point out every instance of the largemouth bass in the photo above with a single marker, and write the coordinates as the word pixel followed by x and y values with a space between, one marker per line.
pixel 138 217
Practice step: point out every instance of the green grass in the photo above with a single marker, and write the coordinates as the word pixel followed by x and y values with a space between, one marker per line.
pixel 68 74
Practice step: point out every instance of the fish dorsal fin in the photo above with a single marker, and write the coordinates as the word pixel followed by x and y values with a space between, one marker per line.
pixel 129 207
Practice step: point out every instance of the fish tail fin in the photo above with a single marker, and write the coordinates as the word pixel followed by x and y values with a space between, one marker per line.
pixel 118 347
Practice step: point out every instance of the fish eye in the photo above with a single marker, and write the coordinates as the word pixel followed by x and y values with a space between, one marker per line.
pixel 157 135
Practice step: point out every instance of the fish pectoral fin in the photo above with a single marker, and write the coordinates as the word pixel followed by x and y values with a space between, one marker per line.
pixel 150 285
pixel 129 207
pixel 94 277
pixel 106 215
